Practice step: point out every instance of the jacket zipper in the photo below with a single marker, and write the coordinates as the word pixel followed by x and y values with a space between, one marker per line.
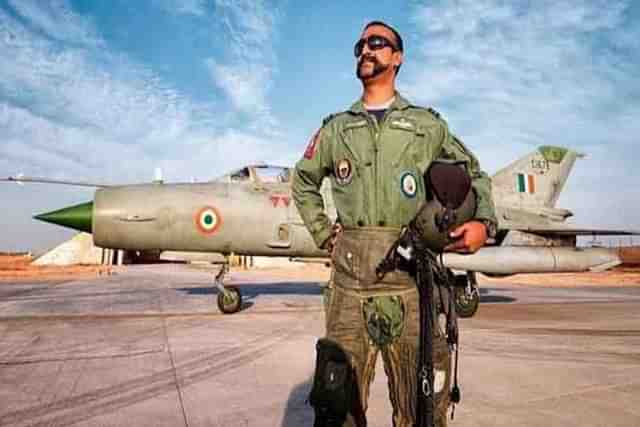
pixel 375 133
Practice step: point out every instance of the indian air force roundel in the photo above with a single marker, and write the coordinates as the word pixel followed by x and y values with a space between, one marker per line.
pixel 208 220
pixel 344 172
pixel 408 184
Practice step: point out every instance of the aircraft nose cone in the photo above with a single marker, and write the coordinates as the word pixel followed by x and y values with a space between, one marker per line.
pixel 79 217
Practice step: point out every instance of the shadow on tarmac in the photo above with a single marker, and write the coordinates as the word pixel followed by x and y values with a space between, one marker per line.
pixel 488 295
pixel 271 288
pixel 496 299
pixel 251 291
pixel 313 288
pixel 297 412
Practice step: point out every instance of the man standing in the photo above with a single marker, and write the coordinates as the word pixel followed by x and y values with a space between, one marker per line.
pixel 375 155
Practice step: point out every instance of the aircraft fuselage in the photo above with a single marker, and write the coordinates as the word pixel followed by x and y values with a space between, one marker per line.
pixel 209 217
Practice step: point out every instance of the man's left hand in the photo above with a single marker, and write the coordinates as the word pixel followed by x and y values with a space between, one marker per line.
pixel 470 237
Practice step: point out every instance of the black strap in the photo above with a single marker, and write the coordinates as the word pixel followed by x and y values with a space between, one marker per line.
pixel 453 334
pixel 425 394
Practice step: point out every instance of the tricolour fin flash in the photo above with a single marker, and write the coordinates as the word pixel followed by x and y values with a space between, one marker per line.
pixel 536 179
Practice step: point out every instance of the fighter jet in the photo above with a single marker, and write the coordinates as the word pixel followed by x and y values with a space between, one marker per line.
pixel 250 211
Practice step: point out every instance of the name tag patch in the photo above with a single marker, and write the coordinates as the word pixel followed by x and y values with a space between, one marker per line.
pixel 408 184
pixel 344 172
pixel 404 124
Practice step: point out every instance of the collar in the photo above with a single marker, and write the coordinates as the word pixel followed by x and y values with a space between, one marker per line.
pixel 400 103
pixel 384 106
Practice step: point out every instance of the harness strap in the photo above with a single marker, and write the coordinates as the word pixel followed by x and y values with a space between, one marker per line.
pixel 425 392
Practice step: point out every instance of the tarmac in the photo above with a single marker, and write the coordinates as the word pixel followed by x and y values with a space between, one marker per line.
pixel 148 347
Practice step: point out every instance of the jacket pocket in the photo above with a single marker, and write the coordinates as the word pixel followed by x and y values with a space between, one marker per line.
pixel 345 258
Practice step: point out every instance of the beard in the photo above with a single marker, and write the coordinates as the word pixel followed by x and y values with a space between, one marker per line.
pixel 378 68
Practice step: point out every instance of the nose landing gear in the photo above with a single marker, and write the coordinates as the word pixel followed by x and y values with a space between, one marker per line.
pixel 229 297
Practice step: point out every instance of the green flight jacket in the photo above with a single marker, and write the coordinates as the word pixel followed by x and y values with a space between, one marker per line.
pixel 376 168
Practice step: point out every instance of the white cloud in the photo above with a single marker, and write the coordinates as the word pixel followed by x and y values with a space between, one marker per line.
pixel 251 23
pixel 72 108
pixel 512 76
pixel 246 74
pixel 81 112
pixel 57 20
pixel 243 83
pixel 186 7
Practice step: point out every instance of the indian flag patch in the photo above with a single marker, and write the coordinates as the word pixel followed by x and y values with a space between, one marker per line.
pixel 526 183
pixel 208 220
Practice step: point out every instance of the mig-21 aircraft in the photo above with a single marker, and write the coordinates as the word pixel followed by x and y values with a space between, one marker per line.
pixel 250 211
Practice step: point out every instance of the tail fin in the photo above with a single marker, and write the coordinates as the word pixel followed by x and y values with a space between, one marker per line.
pixel 535 180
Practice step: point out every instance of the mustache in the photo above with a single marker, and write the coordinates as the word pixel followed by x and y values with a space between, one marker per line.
pixel 368 58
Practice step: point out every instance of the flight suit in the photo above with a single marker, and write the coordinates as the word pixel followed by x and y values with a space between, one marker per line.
pixel 376 174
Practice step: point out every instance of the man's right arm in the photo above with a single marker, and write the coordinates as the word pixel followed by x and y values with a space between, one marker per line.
pixel 307 179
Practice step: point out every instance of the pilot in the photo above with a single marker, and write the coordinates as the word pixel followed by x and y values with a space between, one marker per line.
pixel 375 154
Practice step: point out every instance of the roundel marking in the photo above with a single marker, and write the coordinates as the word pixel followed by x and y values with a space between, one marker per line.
pixel 208 220
pixel 409 184
pixel 344 171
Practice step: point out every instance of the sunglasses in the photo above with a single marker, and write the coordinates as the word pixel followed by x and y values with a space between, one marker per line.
pixel 374 43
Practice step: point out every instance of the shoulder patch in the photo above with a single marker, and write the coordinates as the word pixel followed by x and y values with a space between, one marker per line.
pixel 310 151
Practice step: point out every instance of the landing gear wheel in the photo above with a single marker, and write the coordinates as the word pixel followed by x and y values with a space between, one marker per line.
pixel 466 302
pixel 230 300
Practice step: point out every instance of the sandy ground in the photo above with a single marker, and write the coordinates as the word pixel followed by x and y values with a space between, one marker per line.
pixel 19 268
pixel 619 277
pixel 630 255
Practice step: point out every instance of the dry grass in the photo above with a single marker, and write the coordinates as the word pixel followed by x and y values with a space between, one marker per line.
pixel 630 255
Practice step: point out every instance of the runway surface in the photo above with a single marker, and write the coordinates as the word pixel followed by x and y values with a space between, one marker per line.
pixel 148 347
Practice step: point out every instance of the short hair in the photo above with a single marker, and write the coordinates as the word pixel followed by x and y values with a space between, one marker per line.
pixel 399 43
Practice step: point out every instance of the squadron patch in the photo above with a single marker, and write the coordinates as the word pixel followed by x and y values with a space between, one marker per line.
pixel 408 184
pixel 311 147
pixel 344 172
pixel 208 220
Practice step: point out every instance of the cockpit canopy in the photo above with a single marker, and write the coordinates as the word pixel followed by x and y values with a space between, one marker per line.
pixel 262 174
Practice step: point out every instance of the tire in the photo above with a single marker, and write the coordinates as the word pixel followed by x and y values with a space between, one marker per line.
pixel 230 302
pixel 466 305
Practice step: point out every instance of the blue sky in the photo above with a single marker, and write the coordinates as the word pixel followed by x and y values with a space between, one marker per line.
pixel 111 90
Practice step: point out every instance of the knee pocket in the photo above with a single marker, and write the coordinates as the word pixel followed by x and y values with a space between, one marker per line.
pixel 384 318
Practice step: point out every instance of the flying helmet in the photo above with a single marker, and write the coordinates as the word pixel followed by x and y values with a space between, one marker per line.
pixel 450 202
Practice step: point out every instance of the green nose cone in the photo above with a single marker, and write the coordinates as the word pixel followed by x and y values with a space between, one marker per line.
pixel 78 217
